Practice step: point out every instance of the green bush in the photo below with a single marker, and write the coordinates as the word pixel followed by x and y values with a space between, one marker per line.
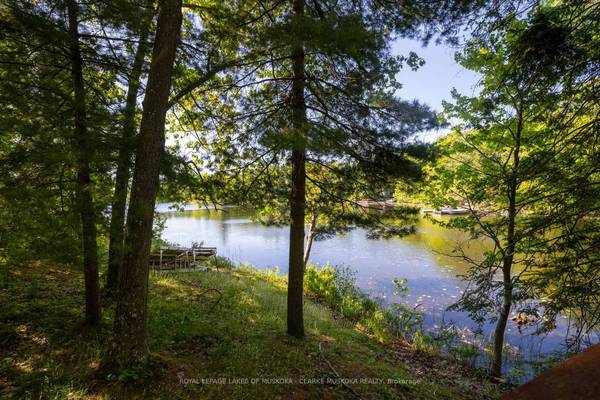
pixel 351 308
pixel 320 282
pixel 336 287
pixel 376 323
pixel 220 262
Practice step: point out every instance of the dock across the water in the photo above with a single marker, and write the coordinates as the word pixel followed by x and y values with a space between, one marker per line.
pixel 448 211
pixel 180 258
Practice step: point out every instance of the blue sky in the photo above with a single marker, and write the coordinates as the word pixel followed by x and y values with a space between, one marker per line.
pixel 433 82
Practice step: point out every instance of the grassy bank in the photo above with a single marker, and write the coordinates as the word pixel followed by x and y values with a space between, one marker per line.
pixel 216 334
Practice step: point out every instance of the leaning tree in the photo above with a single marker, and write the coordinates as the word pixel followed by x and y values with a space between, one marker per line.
pixel 524 162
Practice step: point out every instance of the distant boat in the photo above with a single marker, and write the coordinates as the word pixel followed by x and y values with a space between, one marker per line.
pixel 452 211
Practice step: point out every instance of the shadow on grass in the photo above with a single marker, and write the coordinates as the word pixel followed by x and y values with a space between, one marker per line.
pixel 209 332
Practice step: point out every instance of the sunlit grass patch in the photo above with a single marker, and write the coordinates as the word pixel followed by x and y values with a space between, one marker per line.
pixel 220 324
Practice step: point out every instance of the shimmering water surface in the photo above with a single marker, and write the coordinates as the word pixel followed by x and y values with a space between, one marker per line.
pixel 422 258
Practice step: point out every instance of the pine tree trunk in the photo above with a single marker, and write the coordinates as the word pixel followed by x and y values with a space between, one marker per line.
pixel 84 150
pixel 117 218
pixel 295 312
pixel 129 344
pixel 507 262
pixel 310 237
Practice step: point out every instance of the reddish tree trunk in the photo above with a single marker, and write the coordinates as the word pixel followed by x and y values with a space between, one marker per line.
pixel 295 310
pixel 129 345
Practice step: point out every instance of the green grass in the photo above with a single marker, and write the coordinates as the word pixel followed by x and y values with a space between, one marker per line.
pixel 221 325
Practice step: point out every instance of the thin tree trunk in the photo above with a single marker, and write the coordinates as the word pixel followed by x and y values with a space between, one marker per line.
pixel 504 313
pixel 507 262
pixel 310 237
pixel 129 345
pixel 117 218
pixel 84 149
pixel 295 312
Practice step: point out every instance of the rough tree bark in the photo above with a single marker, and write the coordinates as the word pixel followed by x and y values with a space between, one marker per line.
pixel 84 150
pixel 117 218
pixel 295 312
pixel 507 262
pixel 129 342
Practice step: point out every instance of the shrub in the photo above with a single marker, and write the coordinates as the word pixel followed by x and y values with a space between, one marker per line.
pixel 336 287
pixel 220 262
pixel 320 282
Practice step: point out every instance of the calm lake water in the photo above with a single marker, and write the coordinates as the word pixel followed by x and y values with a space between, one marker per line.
pixel 433 276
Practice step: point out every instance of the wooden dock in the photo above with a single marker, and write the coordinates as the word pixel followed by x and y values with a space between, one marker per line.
pixel 452 211
pixel 180 258
pixel 376 204
pixel 448 211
